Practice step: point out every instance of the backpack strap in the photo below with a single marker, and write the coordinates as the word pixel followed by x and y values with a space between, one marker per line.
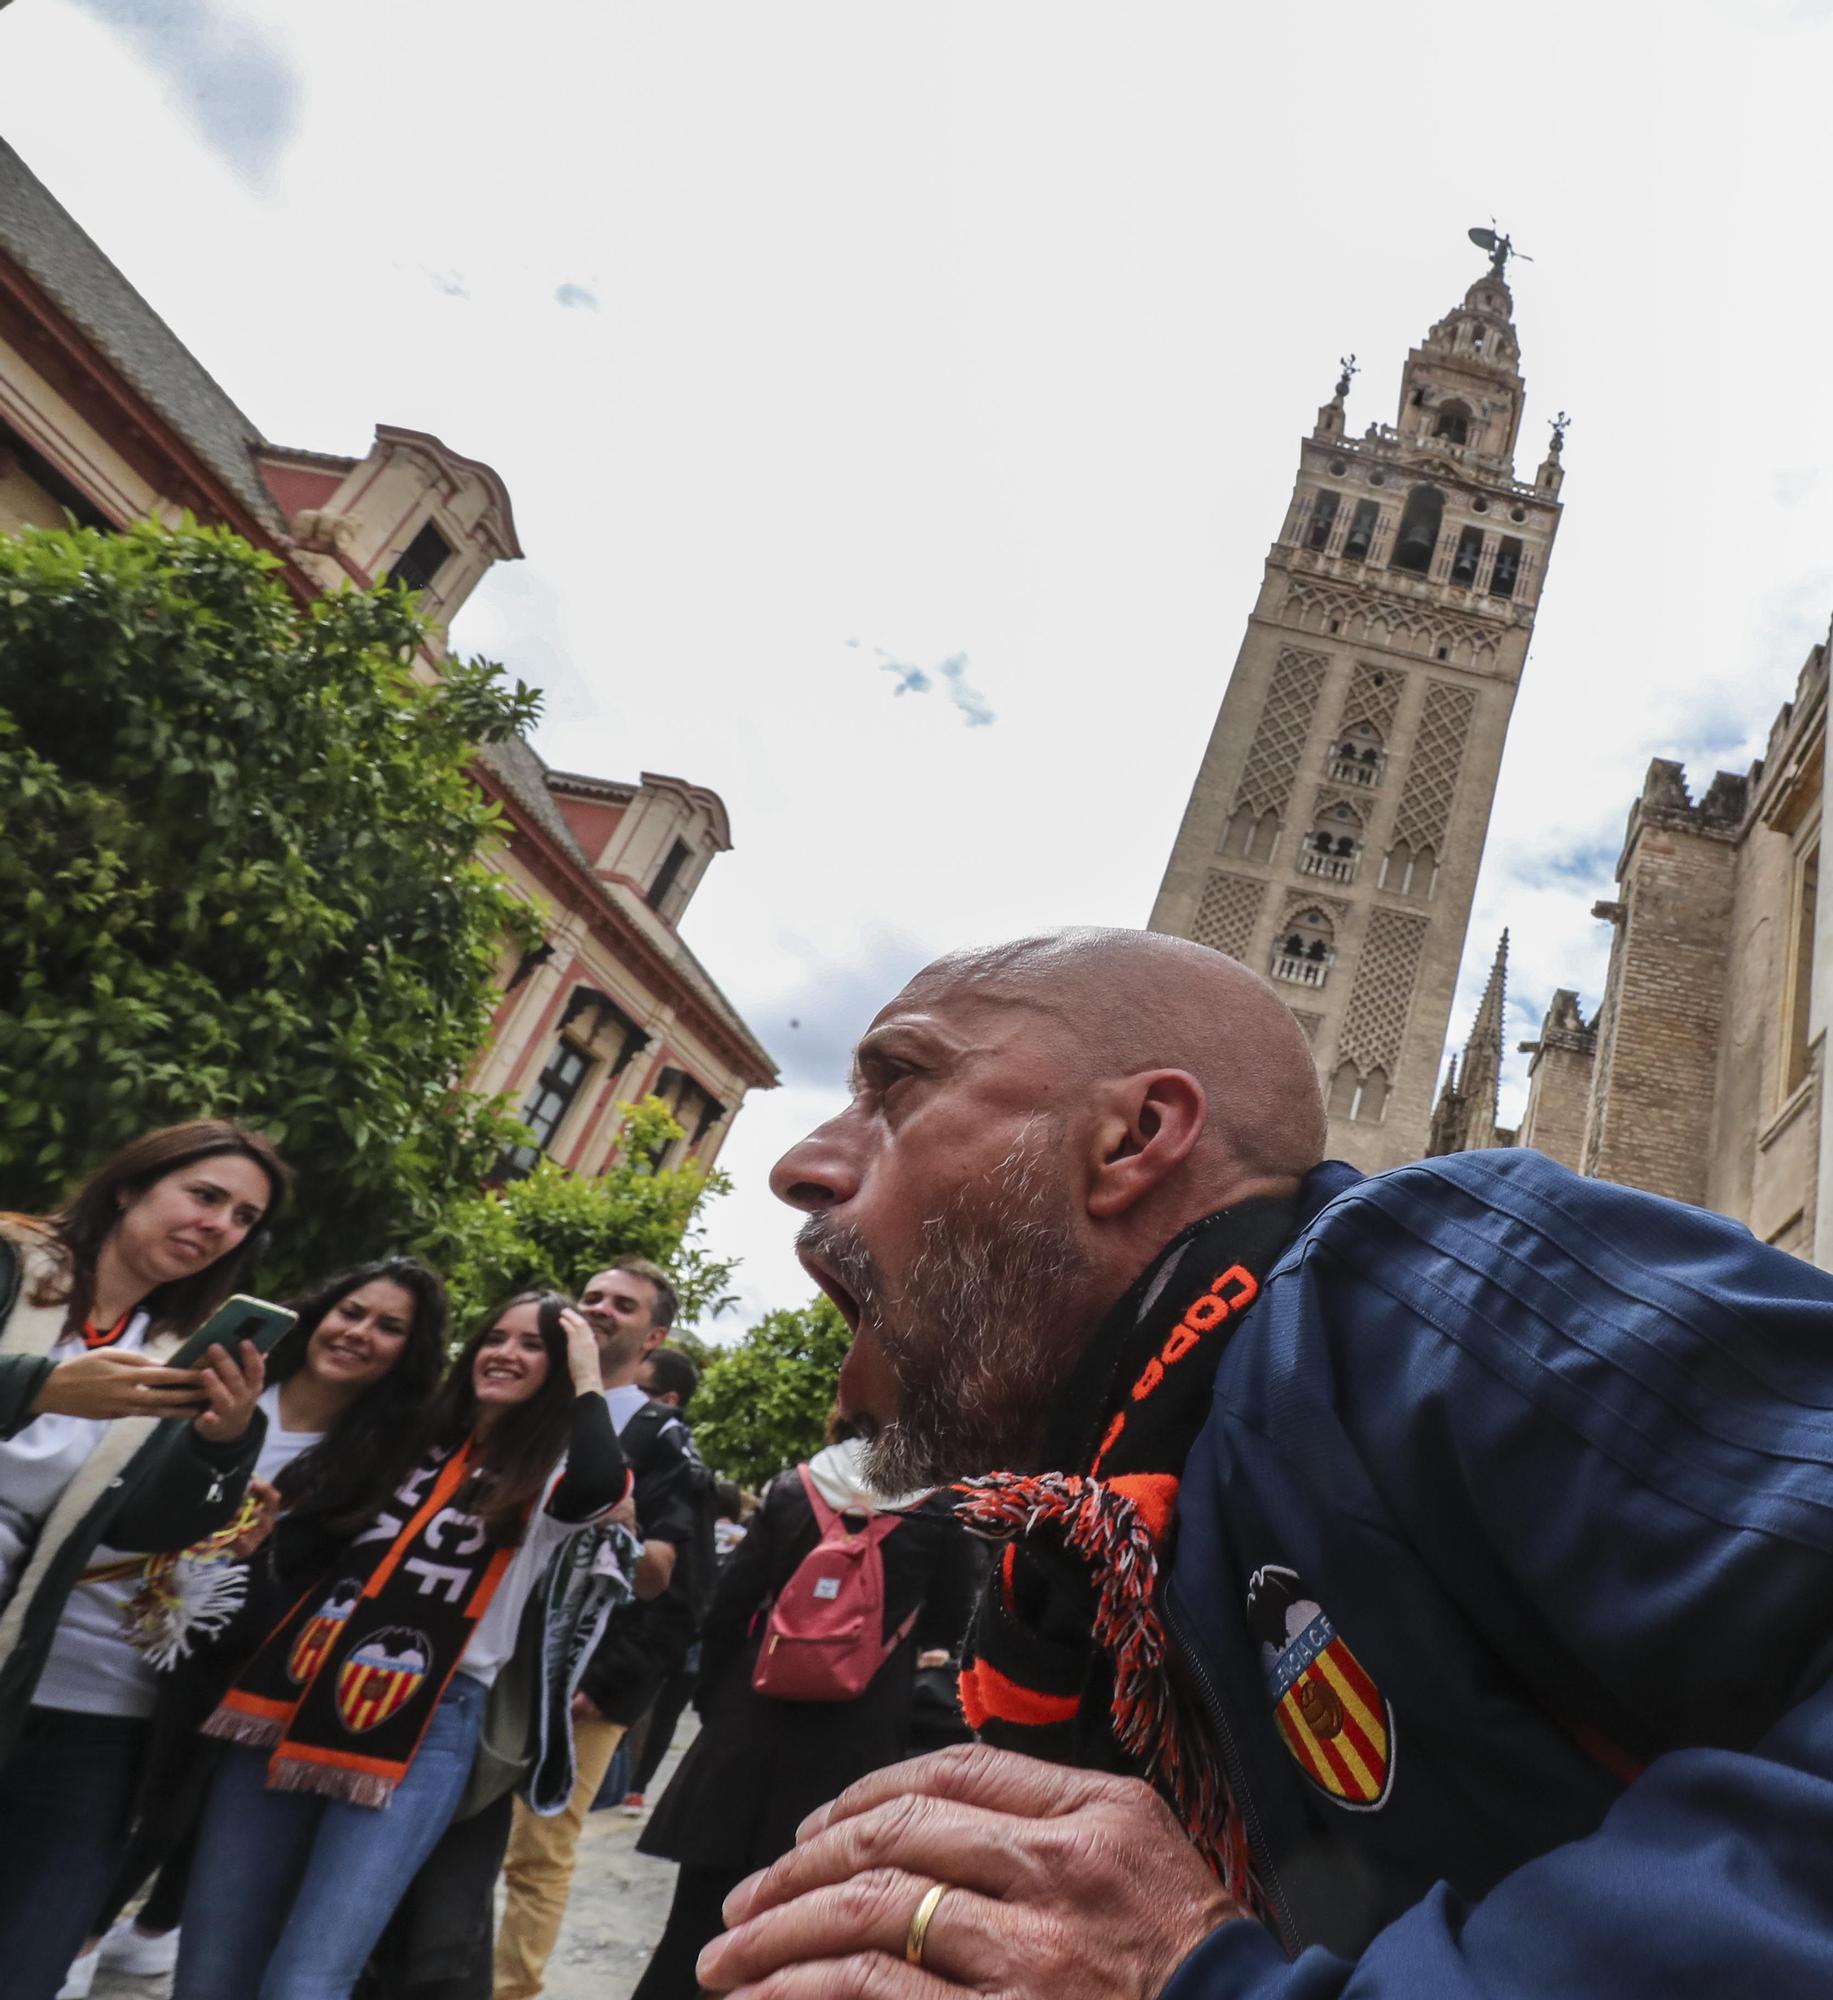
pixel 878 1524
pixel 825 1516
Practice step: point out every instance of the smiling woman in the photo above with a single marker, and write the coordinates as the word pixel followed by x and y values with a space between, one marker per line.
pixel 345 1404
pixel 370 1692
pixel 105 1452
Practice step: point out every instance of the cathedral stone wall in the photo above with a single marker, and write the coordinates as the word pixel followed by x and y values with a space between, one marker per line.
pixel 1653 1128
pixel 1559 1082
pixel 1702 1076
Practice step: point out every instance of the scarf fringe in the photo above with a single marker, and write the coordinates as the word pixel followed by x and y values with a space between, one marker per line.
pixel 253 1732
pixel 330 1781
pixel 1152 1724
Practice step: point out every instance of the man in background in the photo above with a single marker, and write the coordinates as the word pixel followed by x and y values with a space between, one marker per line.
pixel 670 1378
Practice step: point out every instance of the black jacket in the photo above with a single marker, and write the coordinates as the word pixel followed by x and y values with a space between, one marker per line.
pixel 759 1767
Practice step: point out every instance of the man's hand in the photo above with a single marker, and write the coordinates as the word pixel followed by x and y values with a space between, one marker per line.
pixel 1060 1883
pixel 585 1709
pixel 654 1567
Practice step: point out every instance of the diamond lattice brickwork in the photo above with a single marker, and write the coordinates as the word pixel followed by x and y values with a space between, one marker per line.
pixel 1227 914
pixel 1433 765
pixel 1376 1020
pixel 1279 736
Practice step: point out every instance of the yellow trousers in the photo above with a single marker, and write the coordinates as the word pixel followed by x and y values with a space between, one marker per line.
pixel 538 1870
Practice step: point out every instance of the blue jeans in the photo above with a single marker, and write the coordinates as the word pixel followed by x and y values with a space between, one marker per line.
pixel 65 1796
pixel 289 1892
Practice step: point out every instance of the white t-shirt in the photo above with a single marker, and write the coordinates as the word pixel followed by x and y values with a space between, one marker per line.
pixel 92 1665
pixel 493 1638
pixel 279 1448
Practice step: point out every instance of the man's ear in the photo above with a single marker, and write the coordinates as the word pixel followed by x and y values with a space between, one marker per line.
pixel 1146 1129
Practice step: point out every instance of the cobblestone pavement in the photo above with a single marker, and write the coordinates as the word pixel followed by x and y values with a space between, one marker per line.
pixel 619 1904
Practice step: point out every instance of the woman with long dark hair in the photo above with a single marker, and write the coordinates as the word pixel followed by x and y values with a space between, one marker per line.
pixel 347 1399
pixel 370 1692
pixel 105 1452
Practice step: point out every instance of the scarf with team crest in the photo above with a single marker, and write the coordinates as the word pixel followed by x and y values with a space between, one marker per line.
pixel 345 1685
pixel 1067 1659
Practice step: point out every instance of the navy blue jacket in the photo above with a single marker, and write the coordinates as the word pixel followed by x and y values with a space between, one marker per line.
pixel 1505 1574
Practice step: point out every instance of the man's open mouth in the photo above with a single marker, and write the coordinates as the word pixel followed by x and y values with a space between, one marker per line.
pixel 832 1284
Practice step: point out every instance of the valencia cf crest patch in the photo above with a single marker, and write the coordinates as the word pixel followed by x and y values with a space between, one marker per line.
pixel 381 1677
pixel 1326 1706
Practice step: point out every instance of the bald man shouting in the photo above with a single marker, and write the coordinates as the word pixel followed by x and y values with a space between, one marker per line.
pixel 1411 1586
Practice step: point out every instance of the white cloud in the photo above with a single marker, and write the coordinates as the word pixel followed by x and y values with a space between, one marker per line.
pixel 998 327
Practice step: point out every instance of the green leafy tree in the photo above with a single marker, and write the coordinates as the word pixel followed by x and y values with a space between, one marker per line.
pixel 550 1231
pixel 240 876
pixel 764 1403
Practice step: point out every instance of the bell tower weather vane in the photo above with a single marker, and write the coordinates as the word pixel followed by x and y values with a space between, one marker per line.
pixel 1500 247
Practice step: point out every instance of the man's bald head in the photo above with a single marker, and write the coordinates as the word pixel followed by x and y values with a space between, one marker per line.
pixel 1029 1126
pixel 1125 1001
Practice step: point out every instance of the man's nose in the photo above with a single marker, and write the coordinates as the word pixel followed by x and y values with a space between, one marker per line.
pixel 818 1172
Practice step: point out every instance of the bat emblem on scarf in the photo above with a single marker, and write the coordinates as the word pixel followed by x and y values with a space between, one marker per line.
pixel 381 1677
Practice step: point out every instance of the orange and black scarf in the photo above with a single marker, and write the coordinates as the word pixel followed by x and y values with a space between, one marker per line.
pixel 345 1685
pixel 1067 1658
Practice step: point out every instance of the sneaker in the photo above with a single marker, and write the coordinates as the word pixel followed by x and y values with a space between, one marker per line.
pixel 80 1978
pixel 635 1804
pixel 129 1949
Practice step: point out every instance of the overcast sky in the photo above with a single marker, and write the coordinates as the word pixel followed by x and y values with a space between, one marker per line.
pixel 898 401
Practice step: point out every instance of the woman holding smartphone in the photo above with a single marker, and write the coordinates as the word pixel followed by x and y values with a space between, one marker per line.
pixel 104 1452
pixel 370 1692
pixel 346 1400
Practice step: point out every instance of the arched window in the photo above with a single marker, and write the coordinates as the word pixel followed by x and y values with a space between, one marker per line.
pixel 1252 835
pixel 1358 1097
pixel 1361 536
pixel 1507 570
pixel 1343 1087
pixel 1333 848
pixel 1323 519
pixel 1469 556
pixel 1453 422
pixel 1304 953
pixel 1356 755
pixel 1418 535
pixel 1410 871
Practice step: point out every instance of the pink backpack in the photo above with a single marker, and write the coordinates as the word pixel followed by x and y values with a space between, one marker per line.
pixel 824 1639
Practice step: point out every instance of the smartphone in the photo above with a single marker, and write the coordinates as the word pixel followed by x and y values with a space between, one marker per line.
pixel 234 1321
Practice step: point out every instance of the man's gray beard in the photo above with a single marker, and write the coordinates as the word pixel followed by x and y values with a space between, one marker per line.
pixel 969 1339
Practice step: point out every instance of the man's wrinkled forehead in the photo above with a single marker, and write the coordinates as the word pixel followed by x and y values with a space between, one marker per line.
pixel 964 1008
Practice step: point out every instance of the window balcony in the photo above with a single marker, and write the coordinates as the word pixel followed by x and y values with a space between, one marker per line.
pixel 1353 770
pixel 1333 867
pixel 1298 970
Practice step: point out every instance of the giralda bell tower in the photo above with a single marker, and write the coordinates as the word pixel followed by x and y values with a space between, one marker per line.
pixel 1335 828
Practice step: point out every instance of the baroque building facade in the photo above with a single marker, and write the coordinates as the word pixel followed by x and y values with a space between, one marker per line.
pixel 1337 821
pixel 1701 1075
pixel 106 416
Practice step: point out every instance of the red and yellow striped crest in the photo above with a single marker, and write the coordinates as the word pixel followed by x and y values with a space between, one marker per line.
pixel 1333 1718
pixel 314 1642
pixel 380 1678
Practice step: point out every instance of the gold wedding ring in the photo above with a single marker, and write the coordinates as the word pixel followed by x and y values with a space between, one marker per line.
pixel 919 1924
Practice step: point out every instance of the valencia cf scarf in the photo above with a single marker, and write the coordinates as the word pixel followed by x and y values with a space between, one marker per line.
pixel 345 1685
pixel 1067 1659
